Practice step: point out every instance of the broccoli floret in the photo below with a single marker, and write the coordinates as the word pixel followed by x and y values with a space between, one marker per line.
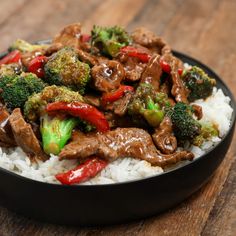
pixel 10 69
pixel 199 83
pixel 153 114
pixel 24 46
pixel 36 103
pixel 149 105
pixel 109 40
pixel 208 130
pixel 184 125
pixel 17 88
pixel 55 130
pixel 64 68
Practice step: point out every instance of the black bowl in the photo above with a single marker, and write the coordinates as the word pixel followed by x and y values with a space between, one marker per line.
pixel 114 203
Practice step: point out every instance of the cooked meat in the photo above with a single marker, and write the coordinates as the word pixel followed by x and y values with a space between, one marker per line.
pixel 165 87
pixel 69 36
pixel 178 90
pixel 82 146
pixel 36 129
pixel 118 121
pixel 197 111
pixel 152 72
pixel 24 135
pixel 163 137
pixel 121 105
pixel 53 48
pixel 148 39
pixel 4 115
pixel 87 57
pixel 127 142
pixel 92 99
pixel 120 143
pixel 6 136
pixel 133 67
pixel 107 77
pixel 26 57
pixel 111 118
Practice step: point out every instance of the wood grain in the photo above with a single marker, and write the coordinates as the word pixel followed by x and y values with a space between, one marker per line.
pixel 202 29
pixel 221 220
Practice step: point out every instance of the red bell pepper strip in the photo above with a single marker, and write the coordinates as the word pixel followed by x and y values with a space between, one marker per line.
pixel 36 66
pixel 12 57
pixel 84 38
pixel 135 52
pixel 180 71
pixel 113 96
pixel 83 172
pixel 82 110
pixel 167 68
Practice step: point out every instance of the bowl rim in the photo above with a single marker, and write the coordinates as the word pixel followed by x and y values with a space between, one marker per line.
pixel 160 175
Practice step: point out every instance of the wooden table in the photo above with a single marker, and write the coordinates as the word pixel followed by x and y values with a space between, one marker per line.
pixel 202 29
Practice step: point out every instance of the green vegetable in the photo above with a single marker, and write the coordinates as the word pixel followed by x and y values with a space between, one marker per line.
pixel 10 69
pixel 35 105
pixel 17 88
pixel 56 131
pixel 208 130
pixel 198 82
pixel 64 68
pixel 147 105
pixel 24 46
pixel 185 126
pixel 153 114
pixel 109 40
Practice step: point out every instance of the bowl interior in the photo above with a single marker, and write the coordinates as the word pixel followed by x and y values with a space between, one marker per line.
pixel 185 59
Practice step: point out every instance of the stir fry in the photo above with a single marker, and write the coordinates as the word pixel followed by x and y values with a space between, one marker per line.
pixel 100 97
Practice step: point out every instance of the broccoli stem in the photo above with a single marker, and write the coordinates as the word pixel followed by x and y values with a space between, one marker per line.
pixel 56 131
pixel 153 114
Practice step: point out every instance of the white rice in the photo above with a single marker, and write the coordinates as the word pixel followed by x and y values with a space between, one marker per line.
pixel 216 109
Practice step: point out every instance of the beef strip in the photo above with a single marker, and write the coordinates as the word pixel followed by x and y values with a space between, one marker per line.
pixel 152 73
pixel 149 40
pixel 118 121
pixel 163 137
pixel 87 57
pixel 92 99
pixel 178 90
pixel 170 59
pixel 111 118
pixel 24 136
pixel 53 48
pixel 107 76
pixel 6 135
pixel 120 143
pixel 165 87
pixel 133 67
pixel 69 36
pixel 197 111
pixel 121 105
